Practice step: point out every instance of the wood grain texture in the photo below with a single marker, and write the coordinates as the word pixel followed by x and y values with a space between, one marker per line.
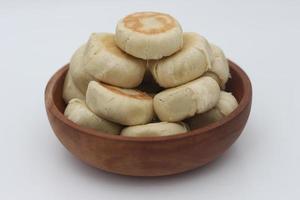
pixel 153 156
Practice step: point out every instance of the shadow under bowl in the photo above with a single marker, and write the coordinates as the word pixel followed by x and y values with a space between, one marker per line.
pixel 153 156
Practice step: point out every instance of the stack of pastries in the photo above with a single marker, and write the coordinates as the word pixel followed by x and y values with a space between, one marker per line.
pixel 145 79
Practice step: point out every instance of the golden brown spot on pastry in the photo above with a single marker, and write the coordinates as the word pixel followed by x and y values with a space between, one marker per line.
pixel 137 95
pixel 135 22
pixel 110 45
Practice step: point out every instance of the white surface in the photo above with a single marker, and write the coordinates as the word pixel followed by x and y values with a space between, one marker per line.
pixel 39 37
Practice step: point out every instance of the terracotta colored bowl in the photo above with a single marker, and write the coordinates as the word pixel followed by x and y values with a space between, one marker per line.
pixel 155 156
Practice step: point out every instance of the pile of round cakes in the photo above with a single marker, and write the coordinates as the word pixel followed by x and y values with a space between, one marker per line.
pixel 147 78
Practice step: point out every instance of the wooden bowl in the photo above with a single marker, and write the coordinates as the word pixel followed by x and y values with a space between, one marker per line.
pixel 153 156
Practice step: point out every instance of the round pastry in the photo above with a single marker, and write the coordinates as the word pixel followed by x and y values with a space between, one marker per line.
pixel 149 35
pixel 70 90
pixel 79 75
pixel 104 61
pixel 123 106
pixel 176 104
pixel 226 104
pixel 219 69
pixel 155 129
pixel 189 63
pixel 78 112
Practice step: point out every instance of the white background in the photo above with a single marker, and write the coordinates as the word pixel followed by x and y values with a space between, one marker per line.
pixel 37 38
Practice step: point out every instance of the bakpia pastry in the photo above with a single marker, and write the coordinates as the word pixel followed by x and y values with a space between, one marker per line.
pixel 155 129
pixel 176 104
pixel 226 104
pixel 219 69
pixel 70 90
pixel 107 63
pixel 123 106
pixel 149 35
pixel 78 112
pixel 147 77
pixel 189 63
pixel 79 75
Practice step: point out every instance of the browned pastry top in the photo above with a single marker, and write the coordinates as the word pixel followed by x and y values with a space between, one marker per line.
pixel 149 23
pixel 133 94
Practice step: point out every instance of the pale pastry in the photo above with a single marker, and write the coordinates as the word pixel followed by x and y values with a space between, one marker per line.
pixel 219 69
pixel 78 73
pixel 149 35
pixel 123 106
pixel 78 112
pixel 176 104
pixel 105 62
pixel 226 104
pixel 155 129
pixel 70 90
pixel 189 63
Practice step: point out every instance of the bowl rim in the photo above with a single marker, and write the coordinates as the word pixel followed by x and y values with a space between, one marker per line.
pixel 51 107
